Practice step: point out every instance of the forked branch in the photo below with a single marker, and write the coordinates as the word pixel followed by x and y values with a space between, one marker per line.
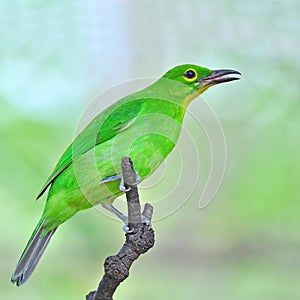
pixel 139 239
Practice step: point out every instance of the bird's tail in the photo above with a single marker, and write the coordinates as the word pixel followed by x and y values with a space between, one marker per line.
pixel 32 253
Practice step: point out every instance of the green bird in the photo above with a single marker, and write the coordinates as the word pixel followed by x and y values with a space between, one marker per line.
pixel 144 126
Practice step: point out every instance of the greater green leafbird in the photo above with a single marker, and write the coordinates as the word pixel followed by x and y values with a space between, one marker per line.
pixel 144 125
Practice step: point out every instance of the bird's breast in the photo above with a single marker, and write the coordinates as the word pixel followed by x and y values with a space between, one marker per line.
pixel 147 141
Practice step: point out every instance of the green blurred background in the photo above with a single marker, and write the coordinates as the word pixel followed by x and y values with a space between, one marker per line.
pixel 56 56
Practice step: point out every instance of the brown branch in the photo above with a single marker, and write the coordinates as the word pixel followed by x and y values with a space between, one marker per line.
pixel 139 239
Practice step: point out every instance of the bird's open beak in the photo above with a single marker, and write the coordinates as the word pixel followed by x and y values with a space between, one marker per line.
pixel 220 76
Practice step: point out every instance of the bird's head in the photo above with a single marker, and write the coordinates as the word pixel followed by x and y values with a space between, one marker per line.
pixel 194 80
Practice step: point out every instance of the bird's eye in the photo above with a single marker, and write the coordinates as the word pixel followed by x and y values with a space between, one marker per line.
pixel 190 75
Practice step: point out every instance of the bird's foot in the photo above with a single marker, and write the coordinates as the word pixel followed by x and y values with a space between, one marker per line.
pixel 145 220
pixel 122 187
pixel 124 218
pixel 126 228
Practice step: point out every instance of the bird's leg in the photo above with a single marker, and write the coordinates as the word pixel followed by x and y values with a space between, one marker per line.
pixel 116 212
pixel 119 215
pixel 122 187
pixel 111 178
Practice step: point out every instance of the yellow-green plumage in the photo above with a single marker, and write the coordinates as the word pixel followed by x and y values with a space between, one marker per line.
pixel 144 126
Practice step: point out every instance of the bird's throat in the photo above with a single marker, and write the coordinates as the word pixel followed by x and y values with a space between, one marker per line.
pixel 194 94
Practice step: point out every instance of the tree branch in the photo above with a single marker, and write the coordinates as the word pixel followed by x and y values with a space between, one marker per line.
pixel 139 239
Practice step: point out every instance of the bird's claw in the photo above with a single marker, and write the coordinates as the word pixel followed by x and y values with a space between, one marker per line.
pixel 122 187
pixel 137 177
pixel 126 229
pixel 145 220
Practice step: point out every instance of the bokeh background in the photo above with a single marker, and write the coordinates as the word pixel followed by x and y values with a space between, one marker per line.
pixel 55 57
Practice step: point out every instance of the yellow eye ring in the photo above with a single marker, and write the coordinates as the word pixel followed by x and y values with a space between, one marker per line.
pixel 190 75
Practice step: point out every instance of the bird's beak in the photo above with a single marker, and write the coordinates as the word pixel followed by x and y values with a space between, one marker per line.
pixel 220 76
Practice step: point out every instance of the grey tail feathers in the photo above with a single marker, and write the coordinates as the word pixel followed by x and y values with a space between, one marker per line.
pixel 32 254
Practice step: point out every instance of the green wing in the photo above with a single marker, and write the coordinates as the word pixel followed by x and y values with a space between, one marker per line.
pixel 106 125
